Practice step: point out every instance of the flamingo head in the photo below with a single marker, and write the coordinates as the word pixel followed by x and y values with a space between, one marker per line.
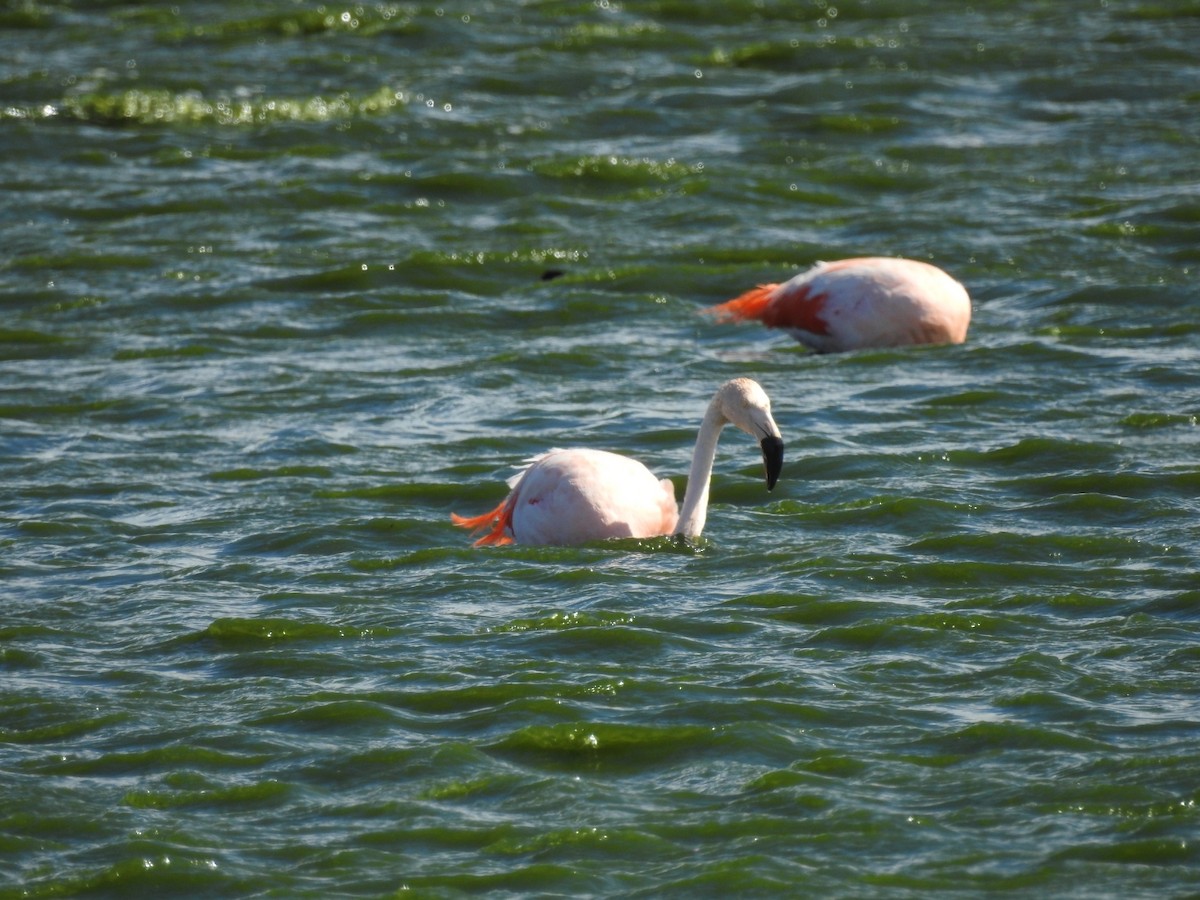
pixel 744 403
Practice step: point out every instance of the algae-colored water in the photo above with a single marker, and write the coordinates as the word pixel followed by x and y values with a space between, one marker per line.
pixel 272 306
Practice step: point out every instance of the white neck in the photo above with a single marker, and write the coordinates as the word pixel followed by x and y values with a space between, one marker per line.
pixel 695 499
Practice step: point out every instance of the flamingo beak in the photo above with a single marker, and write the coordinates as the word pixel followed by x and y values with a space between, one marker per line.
pixel 772 450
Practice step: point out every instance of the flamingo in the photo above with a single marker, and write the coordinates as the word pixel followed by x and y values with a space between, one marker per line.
pixel 567 497
pixel 852 304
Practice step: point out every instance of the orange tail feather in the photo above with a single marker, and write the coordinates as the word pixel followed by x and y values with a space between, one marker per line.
pixel 496 521
pixel 750 305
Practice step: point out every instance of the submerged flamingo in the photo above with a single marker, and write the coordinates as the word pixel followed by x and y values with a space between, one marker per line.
pixel 852 304
pixel 566 497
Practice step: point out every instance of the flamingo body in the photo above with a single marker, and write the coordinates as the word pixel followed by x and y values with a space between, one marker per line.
pixel 580 495
pixel 568 497
pixel 853 304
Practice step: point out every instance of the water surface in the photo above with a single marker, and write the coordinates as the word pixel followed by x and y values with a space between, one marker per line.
pixel 272 305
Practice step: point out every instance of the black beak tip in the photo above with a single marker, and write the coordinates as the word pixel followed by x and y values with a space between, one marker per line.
pixel 772 451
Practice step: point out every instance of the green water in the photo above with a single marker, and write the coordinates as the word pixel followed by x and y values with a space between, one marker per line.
pixel 272 307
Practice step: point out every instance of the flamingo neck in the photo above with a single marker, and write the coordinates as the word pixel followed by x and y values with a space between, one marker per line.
pixel 695 499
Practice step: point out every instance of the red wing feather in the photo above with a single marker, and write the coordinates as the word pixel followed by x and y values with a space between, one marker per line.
pixel 750 305
pixel 498 520
pixel 795 307
pixel 799 308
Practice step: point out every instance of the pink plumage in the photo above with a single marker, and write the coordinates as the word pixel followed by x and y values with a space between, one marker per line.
pixel 580 495
pixel 853 304
pixel 567 497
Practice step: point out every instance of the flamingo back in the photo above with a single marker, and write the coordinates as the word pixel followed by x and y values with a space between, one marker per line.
pixel 576 496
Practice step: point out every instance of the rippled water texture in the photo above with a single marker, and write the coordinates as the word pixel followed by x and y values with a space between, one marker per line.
pixel 283 285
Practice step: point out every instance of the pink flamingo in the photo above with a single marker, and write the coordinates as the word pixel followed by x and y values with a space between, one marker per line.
pixel 565 497
pixel 856 303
